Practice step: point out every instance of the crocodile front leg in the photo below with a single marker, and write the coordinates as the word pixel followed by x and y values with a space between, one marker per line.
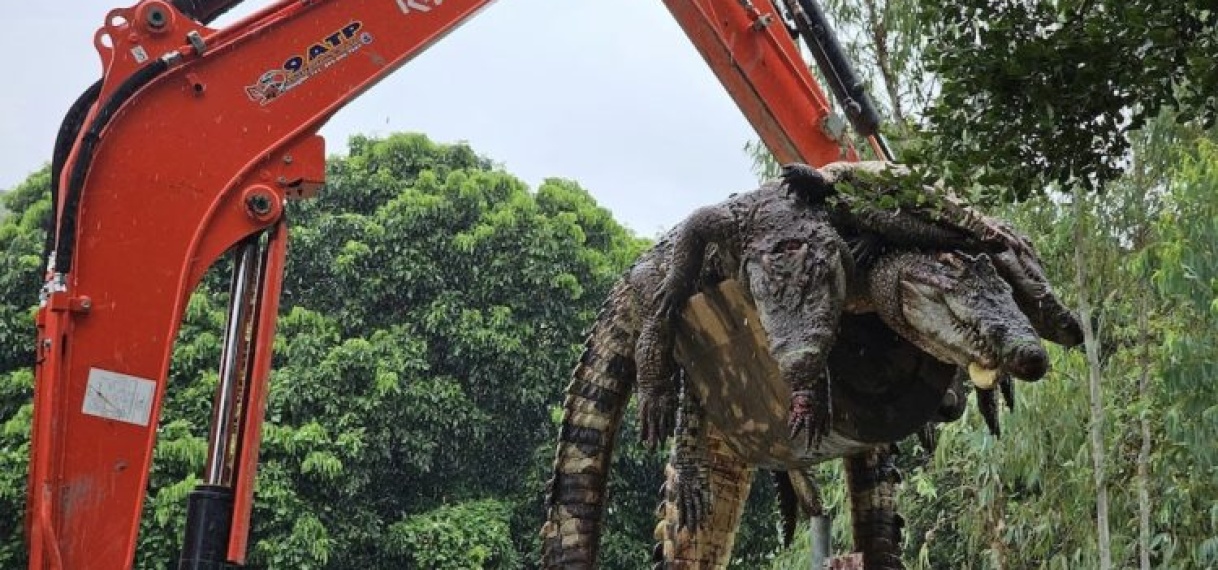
pixel 657 380
pixel 707 225
pixel 799 286
pixel 1035 297
pixel 657 371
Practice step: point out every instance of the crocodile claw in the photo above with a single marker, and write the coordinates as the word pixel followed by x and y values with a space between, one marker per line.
pixel 669 299
pixel 997 235
pixel 866 249
pixel 1007 387
pixel 928 438
pixel 810 411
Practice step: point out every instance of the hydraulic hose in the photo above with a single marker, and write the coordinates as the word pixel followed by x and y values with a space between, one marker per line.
pixel 69 129
pixel 849 90
pixel 65 242
pixel 204 11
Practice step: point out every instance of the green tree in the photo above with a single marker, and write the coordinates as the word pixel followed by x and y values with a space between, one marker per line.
pixel 21 243
pixel 1183 265
pixel 1036 91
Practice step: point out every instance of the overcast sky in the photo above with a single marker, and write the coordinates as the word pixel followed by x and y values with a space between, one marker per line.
pixel 607 92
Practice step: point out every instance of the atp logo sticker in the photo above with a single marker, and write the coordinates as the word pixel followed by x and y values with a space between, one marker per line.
pixel 318 57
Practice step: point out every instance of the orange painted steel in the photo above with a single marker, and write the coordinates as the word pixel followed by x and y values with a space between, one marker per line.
pixel 168 190
pixel 751 52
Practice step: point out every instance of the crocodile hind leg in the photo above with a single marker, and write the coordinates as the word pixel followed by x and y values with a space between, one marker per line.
pixel 690 461
pixel 710 546
pixel 872 480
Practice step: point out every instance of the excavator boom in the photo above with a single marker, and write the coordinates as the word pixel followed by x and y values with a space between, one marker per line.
pixel 186 152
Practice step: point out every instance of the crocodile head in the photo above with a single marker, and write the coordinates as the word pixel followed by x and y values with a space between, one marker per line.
pixel 958 308
pixel 1024 271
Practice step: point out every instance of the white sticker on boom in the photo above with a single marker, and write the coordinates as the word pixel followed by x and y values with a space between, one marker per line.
pixel 121 397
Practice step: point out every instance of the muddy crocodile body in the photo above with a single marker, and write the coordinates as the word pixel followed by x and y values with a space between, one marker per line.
pixel 745 419
pixel 875 405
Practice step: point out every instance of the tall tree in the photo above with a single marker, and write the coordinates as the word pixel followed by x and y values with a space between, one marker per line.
pixel 883 40
pixel 1091 344
pixel 1183 264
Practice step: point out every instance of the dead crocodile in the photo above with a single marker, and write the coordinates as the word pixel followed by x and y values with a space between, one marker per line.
pixel 602 384
pixel 961 311
pixel 791 245
pixel 596 398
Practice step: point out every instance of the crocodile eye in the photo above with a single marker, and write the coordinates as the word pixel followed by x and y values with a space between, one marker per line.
pixel 788 246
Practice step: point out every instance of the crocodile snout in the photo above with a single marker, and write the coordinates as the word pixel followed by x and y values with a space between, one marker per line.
pixel 1027 361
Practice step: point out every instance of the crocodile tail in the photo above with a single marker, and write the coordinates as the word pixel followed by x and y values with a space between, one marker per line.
pixel 595 400
pixel 872 479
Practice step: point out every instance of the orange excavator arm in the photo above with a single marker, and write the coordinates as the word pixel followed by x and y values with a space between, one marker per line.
pixel 185 152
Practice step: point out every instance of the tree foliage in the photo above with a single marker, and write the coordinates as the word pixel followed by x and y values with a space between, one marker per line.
pixel 1037 92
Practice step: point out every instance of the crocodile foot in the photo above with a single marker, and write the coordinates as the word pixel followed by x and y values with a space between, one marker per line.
pixel 866 249
pixel 657 419
pixel 672 295
pixel 810 411
pixel 806 182
pixel 994 233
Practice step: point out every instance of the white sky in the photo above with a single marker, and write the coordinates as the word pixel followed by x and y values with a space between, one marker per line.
pixel 609 93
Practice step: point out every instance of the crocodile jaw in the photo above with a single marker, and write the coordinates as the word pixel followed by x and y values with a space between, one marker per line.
pixel 939 331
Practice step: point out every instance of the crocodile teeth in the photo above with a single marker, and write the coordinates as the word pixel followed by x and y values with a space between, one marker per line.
pixel 981 376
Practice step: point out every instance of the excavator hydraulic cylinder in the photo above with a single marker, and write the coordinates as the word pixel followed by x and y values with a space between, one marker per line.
pixel 209 514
